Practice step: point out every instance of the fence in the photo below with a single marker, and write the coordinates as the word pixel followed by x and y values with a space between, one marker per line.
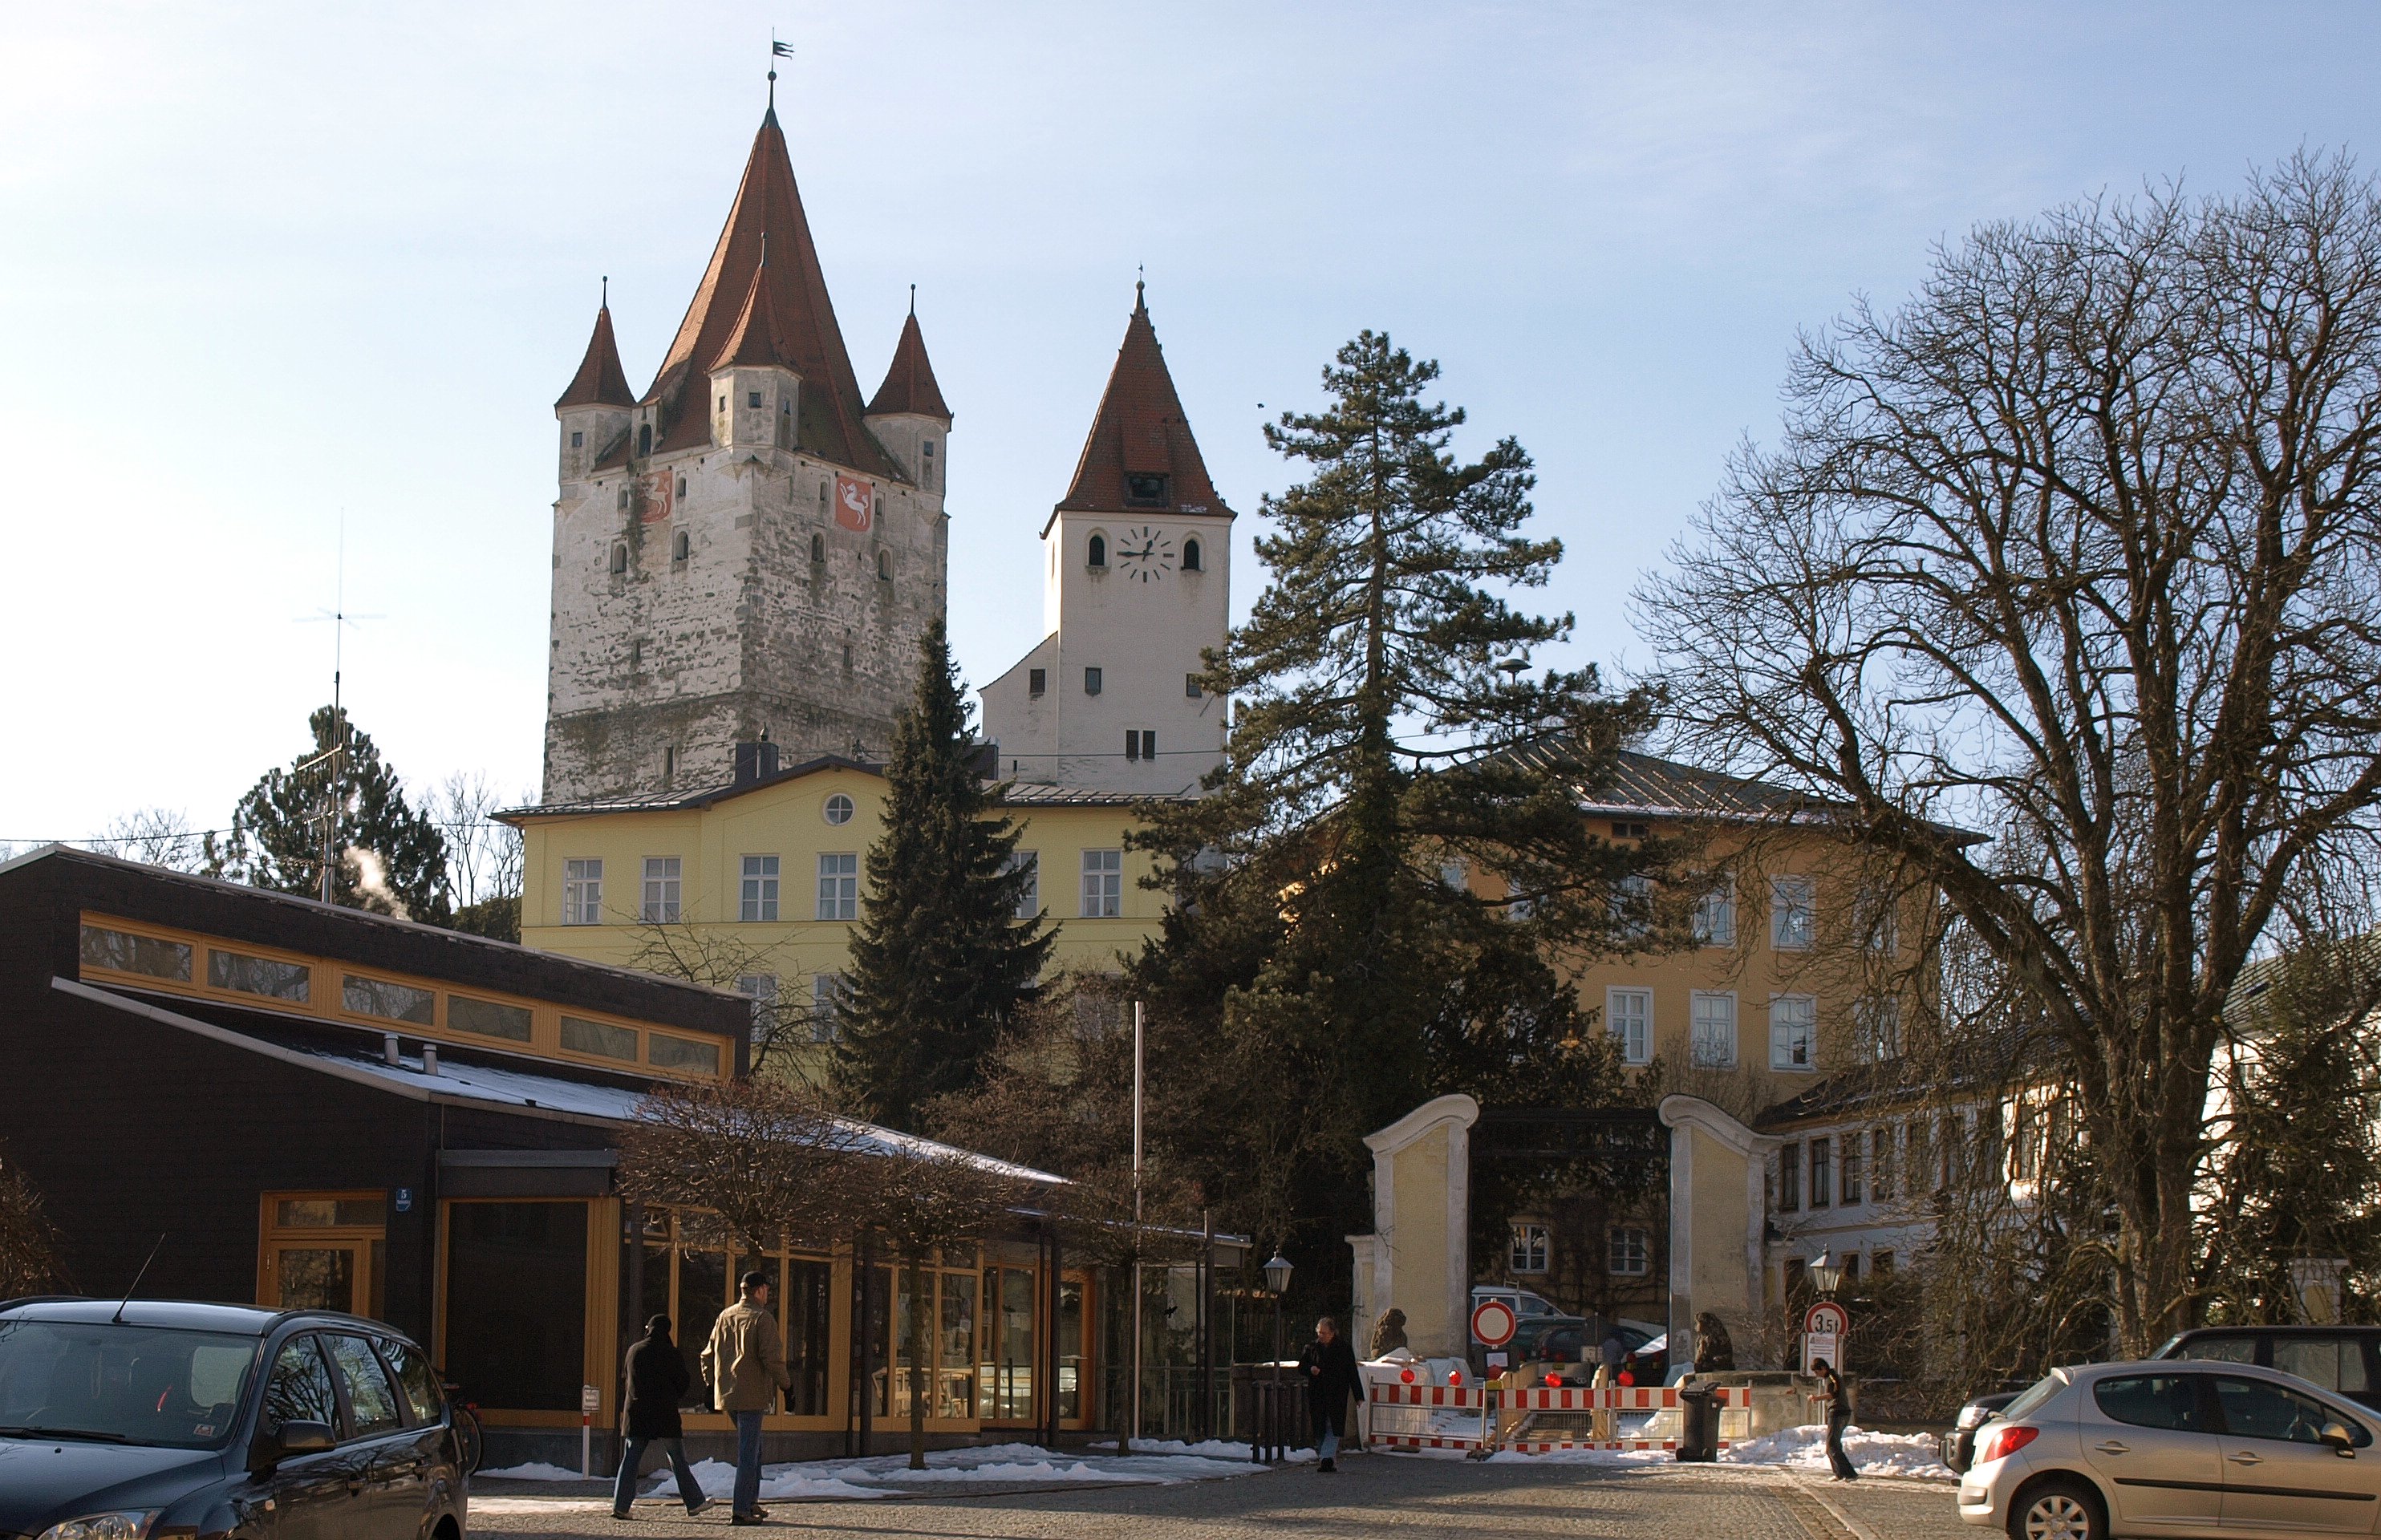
pixel 1525 1419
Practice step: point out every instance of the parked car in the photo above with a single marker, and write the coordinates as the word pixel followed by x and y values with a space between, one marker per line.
pixel 1960 1444
pixel 2346 1360
pixel 1527 1308
pixel 1582 1343
pixel 129 1419
pixel 2178 1447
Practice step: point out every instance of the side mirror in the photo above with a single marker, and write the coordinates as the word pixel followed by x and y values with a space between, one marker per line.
pixel 296 1436
pixel 2336 1435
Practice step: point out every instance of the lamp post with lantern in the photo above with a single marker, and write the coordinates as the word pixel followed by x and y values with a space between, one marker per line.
pixel 1277 1274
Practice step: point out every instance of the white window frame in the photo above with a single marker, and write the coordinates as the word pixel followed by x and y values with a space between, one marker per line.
pixel 1715 920
pixel 1704 1048
pixel 1629 1014
pixel 664 889
pixel 1793 915
pixel 1028 898
pixel 1530 1256
pixel 1102 884
pixel 761 990
pixel 583 891
pixel 1793 1032
pixel 1635 892
pixel 757 896
pixel 838 884
pixel 1629 1251
pixel 1879 1019
pixel 829 994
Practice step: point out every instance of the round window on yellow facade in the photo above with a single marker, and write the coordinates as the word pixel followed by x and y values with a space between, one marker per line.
pixel 839 809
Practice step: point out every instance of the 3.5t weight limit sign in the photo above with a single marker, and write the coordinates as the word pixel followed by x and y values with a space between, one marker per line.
pixel 1494 1323
pixel 1825 1327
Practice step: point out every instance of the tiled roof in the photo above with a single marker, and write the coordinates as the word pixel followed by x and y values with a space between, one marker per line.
pixel 909 383
pixel 670 801
pixel 600 381
pixel 1641 783
pixel 767 216
pixel 1046 794
pixel 1140 429
pixel 1022 794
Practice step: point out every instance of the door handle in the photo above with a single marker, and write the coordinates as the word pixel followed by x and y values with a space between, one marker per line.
pixel 2114 1447
pixel 2248 1457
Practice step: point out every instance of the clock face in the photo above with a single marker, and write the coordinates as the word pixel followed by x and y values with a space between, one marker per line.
pixel 1145 552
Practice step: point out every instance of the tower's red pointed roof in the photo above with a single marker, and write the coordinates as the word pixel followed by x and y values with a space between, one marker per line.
pixel 1139 431
pixel 600 382
pixel 909 383
pixel 756 339
pixel 767 215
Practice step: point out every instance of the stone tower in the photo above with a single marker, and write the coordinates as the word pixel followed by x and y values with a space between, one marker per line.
pixel 1136 574
pixel 745 550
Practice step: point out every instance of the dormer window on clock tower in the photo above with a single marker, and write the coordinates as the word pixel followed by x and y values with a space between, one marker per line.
pixel 1145 490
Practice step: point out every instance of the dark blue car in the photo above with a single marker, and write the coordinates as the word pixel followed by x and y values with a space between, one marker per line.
pixel 154 1417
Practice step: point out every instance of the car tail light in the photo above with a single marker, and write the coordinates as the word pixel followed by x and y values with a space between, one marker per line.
pixel 2006 1441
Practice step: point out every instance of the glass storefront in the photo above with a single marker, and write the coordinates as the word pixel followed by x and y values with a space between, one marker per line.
pixel 516 1302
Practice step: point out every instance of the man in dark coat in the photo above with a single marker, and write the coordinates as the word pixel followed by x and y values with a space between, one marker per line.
pixel 1330 1365
pixel 657 1381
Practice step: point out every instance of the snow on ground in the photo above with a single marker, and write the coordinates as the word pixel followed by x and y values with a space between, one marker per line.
pixel 1887 1454
pixel 1211 1449
pixel 1006 1464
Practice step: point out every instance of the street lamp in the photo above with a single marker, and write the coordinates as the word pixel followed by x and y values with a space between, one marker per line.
pixel 1827 1274
pixel 1277 1274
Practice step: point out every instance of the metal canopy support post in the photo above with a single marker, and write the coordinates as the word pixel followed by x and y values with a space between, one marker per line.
pixel 1134 1423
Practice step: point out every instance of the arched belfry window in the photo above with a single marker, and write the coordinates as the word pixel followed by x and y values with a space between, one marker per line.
pixel 620 560
pixel 1098 555
pixel 679 545
pixel 884 565
pixel 1190 557
pixel 818 547
pixel 645 439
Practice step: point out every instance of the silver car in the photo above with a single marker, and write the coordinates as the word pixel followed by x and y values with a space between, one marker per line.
pixel 2175 1449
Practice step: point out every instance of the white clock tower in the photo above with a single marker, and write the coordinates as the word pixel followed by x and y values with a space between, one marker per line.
pixel 1136 584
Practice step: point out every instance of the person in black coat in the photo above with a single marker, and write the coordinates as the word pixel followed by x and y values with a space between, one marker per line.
pixel 1840 1416
pixel 657 1381
pixel 1330 1365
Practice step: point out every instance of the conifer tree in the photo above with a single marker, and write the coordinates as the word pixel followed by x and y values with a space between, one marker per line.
pixel 940 960
pixel 1347 920
pixel 387 857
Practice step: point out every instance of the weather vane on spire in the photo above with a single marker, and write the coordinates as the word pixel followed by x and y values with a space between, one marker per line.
pixel 776 51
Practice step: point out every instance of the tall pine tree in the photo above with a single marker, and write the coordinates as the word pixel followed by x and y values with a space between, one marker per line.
pixel 940 960
pixel 386 856
pixel 1346 937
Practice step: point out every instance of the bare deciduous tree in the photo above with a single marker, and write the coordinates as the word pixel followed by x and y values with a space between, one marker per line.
pixel 29 1251
pixel 2078 549
pixel 158 836
pixel 707 954
pixel 769 1161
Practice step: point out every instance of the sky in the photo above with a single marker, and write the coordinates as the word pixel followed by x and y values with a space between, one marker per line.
pixel 281 280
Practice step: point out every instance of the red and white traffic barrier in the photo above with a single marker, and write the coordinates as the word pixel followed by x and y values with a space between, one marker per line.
pixel 1613 1397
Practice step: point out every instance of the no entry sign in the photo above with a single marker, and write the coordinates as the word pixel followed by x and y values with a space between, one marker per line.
pixel 1493 1323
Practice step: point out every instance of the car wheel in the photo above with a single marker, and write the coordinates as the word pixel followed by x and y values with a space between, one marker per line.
pixel 2057 1509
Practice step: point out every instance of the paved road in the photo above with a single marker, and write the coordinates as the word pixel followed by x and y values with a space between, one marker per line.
pixel 1377 1494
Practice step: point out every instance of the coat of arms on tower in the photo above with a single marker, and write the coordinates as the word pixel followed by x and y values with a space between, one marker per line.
pixel 855 503
pixel 654 502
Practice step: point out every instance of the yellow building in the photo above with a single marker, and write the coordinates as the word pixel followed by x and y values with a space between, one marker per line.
pixel 756 884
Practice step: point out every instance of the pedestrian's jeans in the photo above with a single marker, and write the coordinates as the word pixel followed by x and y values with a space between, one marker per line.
pixel 624 1486
pixel 1841 1461
pixel 1326 1435
pixel 748 1462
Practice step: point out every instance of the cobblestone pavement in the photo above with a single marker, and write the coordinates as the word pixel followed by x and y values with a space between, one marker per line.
pixel 1374 1495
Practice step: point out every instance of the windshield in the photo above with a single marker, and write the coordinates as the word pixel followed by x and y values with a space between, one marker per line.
pixel 121 1384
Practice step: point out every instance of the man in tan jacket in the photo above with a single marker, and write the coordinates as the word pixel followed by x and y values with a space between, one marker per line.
pixel 745 1364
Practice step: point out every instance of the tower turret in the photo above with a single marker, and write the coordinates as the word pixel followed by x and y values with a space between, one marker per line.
pixel 755 394
pixel 595 409
pixel 908 415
